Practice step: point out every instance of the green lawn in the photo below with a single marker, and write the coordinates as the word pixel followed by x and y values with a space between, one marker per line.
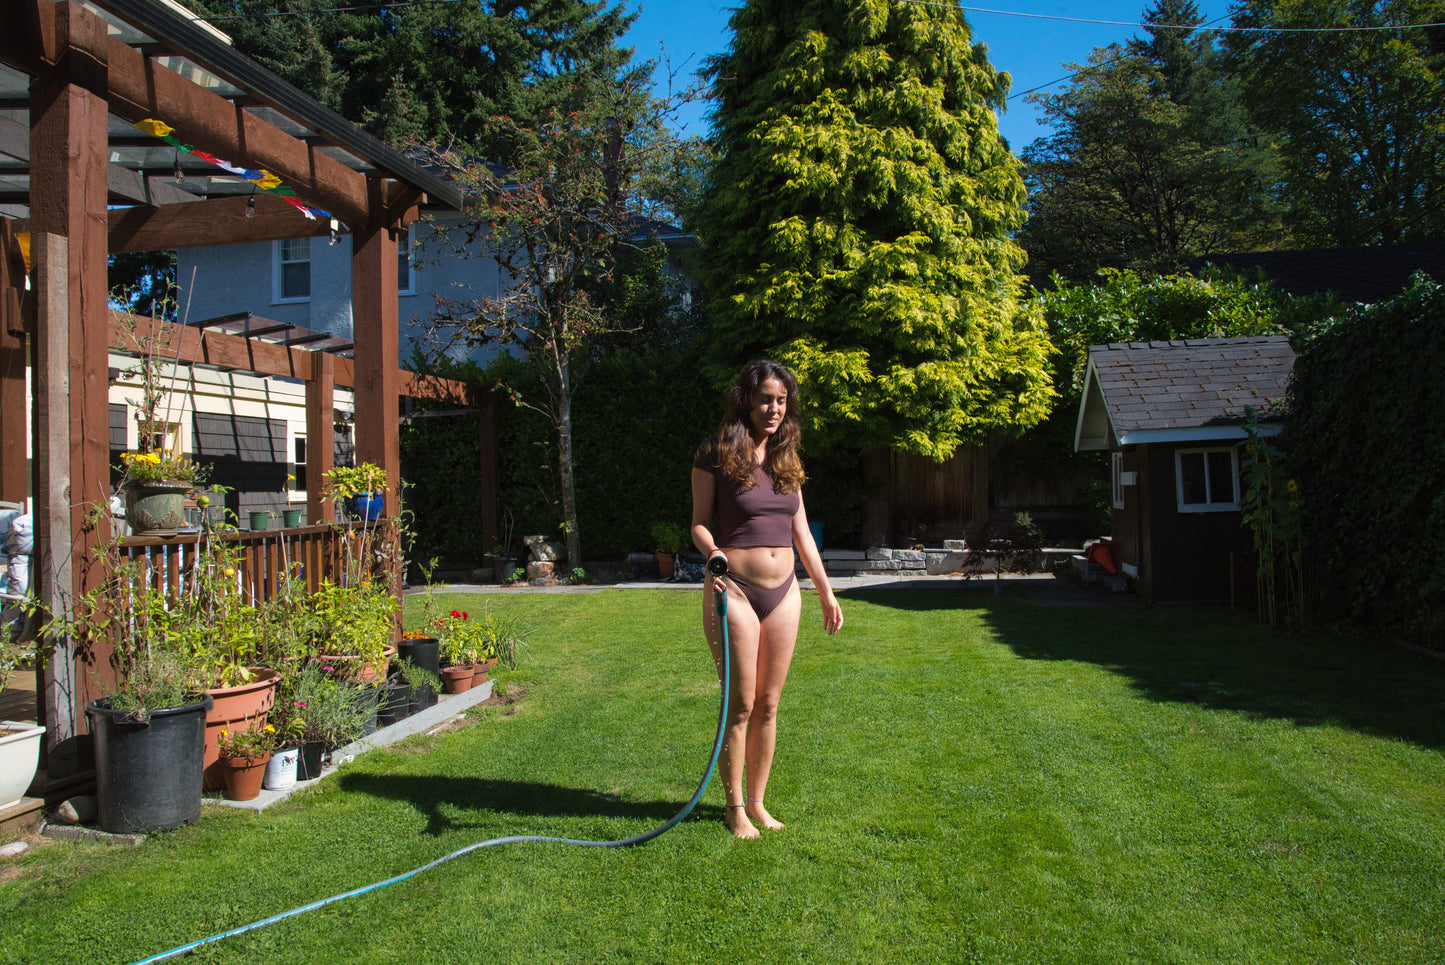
pixel 965 779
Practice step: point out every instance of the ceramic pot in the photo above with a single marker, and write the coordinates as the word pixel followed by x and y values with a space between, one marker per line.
pixel 479 674
pixel 244 776
pixel 156 508
pixel 281 769
pixel 19 757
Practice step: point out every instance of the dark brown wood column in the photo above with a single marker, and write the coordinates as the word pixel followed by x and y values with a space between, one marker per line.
pixel 68 194
pixel 320 433
pixel 14 475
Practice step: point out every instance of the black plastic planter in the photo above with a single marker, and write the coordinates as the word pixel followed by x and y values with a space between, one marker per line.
pixel 308 763
pixel 424 653
pixel 148 775
pixel 395 703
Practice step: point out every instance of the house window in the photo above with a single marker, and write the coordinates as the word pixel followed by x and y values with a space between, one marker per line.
pixel 298 468
pixel 162 437
pixel 405 274
pixel 1116 475
pixel 1207 480
pixel 293 270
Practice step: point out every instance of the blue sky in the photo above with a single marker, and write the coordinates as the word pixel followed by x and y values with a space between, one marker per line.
pixel 1030 48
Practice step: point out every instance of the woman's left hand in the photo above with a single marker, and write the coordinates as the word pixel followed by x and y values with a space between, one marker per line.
pixel 832 614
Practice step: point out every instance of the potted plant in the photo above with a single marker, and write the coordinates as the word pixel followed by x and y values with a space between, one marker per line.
pixel 353 627
pixel 154 486
pixel 668 540
pixel 244 755
pixel 19 740
pixel 360 489
pixel 328 708
pixel 149 729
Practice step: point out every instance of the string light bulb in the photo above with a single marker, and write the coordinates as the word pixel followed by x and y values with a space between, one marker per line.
pixel 251 205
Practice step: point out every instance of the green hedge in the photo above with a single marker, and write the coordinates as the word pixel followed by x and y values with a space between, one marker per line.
pixel 1366 438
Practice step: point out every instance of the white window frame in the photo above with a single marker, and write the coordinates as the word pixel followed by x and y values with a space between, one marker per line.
pixel 404 247
pixel 1116 477
pixel 1212 505
pixel 278 263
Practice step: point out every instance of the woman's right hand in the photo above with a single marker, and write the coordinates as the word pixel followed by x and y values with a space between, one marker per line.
pixel 719 581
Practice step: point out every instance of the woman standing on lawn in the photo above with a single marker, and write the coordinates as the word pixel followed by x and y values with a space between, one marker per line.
pixel 747 506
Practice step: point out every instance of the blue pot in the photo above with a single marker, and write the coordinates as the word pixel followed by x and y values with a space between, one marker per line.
pixel 367 506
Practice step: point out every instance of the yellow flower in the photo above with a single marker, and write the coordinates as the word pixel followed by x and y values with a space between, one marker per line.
pixel 225 733
pixel 269 729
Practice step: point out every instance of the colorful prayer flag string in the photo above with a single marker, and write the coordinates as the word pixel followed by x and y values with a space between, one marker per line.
pixel 261 178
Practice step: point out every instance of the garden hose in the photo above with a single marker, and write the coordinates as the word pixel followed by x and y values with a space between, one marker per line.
pixel 716 566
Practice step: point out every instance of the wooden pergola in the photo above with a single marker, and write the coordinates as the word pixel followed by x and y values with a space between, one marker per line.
pixel 79 182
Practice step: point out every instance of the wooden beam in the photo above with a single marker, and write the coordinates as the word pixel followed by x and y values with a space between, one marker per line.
pixel 209 223
pixel 137 188
pixel 140 89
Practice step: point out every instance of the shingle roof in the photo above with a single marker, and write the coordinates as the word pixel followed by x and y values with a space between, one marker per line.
pixel 1180 389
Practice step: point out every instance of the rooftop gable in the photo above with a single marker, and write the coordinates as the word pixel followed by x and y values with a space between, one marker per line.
pixel 1179 391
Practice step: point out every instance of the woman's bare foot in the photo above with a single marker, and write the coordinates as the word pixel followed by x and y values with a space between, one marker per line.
pixel 737 822
pixel 760 814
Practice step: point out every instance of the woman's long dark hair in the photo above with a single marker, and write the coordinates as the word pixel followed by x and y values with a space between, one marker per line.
pixel 735 442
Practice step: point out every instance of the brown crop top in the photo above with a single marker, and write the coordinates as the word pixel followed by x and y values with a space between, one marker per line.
pixel 757 516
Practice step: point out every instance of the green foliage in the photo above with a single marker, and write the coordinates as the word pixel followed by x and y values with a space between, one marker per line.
pixel 1366 436
pixel 441 465
pixel 669 538
pixel 858 224
pixel 639 419
pixel 1359 113
pixel 1152 162
pixel 431 71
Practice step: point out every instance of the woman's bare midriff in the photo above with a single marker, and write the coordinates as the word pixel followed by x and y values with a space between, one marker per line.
pixel 763 566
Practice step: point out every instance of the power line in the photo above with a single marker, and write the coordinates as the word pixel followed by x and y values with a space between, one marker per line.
pixel 1167 26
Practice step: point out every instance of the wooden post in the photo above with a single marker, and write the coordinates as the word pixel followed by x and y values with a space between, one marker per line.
pixel 14 476
pixel 375 334
pixel 320 420
pixel 68 198
pixel 51 567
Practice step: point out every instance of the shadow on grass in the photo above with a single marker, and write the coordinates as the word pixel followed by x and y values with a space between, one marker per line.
pixel 1208 657
pixel 440 798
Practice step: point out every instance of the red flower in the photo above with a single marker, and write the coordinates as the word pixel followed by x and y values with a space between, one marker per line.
pixel 464 615
pixel 456 613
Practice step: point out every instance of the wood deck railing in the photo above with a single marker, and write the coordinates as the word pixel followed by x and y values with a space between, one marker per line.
pixel 267 558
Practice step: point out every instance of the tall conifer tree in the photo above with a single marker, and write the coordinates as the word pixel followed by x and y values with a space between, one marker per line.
pixel 858 223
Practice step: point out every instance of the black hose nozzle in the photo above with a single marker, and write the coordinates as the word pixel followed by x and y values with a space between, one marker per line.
pixel 718 565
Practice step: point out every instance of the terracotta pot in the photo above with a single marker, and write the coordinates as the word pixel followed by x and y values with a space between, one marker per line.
pixel 237 709
pixel 243 776
pixel 479 674
pixel 367 672
pixel 666 565
pixel 457 678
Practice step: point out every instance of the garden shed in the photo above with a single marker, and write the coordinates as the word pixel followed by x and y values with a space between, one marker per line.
pixel 1172 415
pixel 128 125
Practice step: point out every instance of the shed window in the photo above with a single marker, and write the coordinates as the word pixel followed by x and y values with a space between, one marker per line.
pixel 1207 480
pixel 293 270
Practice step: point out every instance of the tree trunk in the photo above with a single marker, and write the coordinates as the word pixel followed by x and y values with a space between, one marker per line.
pixel 565 467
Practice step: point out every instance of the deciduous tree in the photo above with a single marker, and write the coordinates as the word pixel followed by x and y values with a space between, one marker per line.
pixel 1152 162
pixel 1362 113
